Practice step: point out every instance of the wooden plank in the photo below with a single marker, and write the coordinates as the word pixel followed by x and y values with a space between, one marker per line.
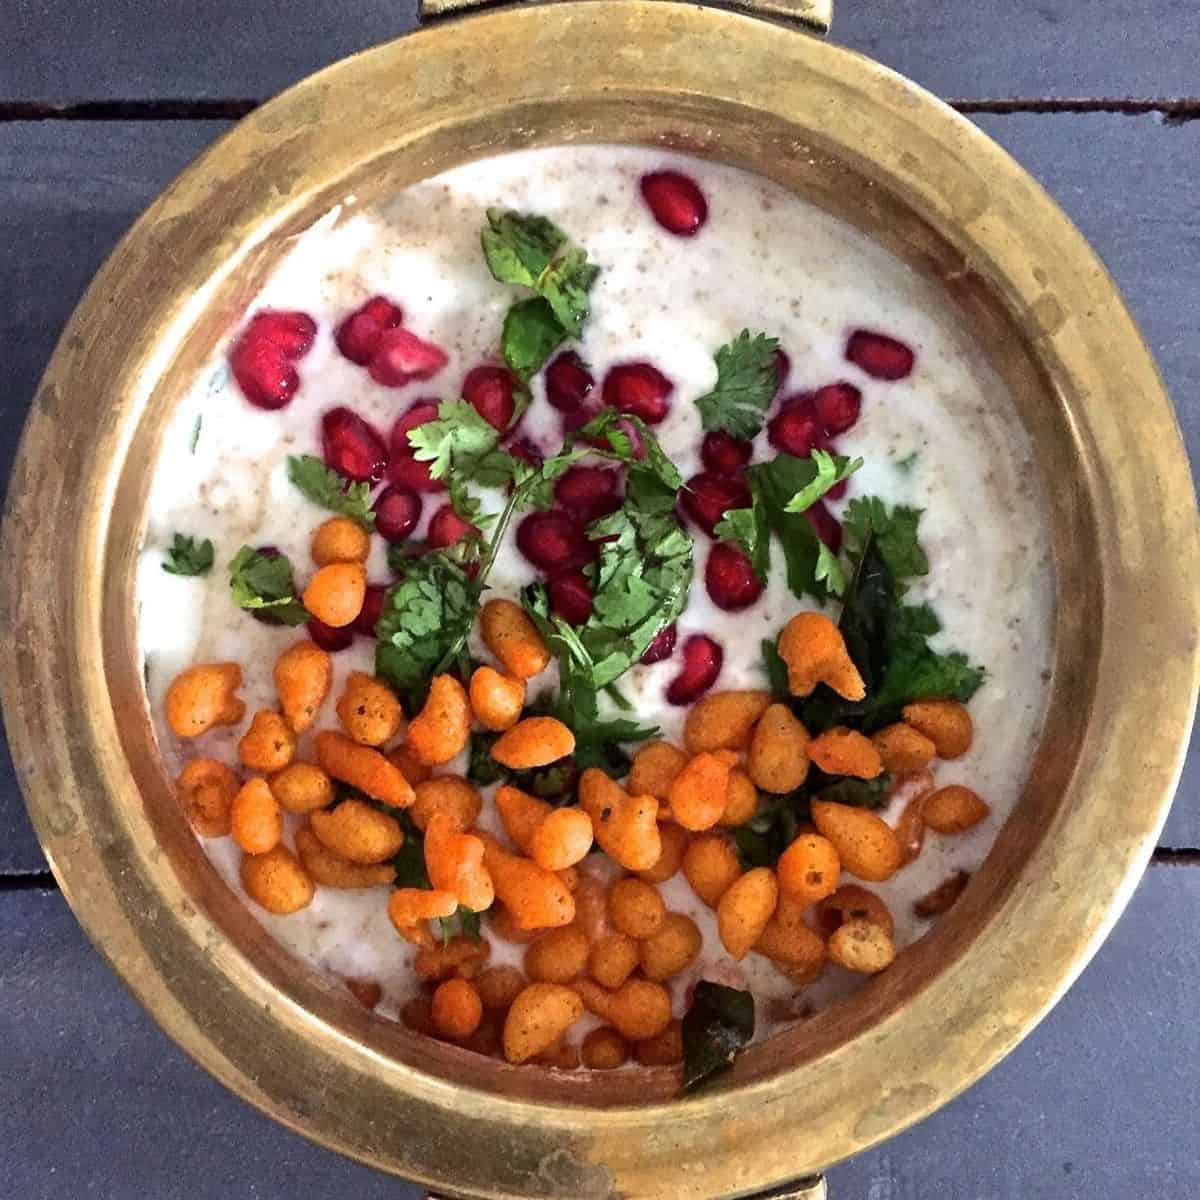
pixel 1127 181
pixel 177 49
pixel 95 1099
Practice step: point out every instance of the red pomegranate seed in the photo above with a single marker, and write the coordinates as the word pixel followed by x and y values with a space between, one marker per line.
pixel 352 447
pixel 879 355
pixel 661 647
pixel 397 511
pixel 568 382
pixel 372 609
pixel 489 391
pixel 405 469
pixel 570 596
pixel 783 368
pixel 702 659
pixel 292 332
pixel 639 389
pixel 527 450
pixel 577 418
pixel 825 525
pixel 677 203
pixel 329 638
pixel 589 492
pixel 552 541
pixel 446 527
pixel 724 455
pixel 359 334
pixel 730 579
pixel 836 406
pixel 795 428
pixel 839 490
pixel 707 497
pixel 402 357
pixel 262 370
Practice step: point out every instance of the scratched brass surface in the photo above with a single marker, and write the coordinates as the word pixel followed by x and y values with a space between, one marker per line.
pixel 847 134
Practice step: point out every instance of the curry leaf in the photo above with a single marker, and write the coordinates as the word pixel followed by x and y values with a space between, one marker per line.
pixel 719 1023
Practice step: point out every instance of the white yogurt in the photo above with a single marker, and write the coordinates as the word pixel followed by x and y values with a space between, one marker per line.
pixel 945 439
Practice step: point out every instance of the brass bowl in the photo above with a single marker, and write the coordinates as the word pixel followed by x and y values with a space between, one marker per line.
pixel 860 141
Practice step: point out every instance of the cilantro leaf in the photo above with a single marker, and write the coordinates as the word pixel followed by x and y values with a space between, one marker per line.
pixel 831 470
pixel 461 445
pixel 719 1023
pixel 829 571
pixel 324 486
pixel 263 584
pixel 611 425
pixel 186 556
pixel 640 585
pixel 425 621
pixel 772 485
pixel 519 248
pixel 531 251
pixel 747 380
pixel 748 527
pixel 531 334
pixel 194 440
pixel 894 532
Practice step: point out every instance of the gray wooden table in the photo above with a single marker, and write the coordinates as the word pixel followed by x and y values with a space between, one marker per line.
pixel 103 101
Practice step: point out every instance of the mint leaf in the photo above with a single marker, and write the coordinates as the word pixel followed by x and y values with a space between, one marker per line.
pixel 830 471
pixel 531 334
pixel 894 531
pixel 324 486
pixel 186 556
pixel 565 285
pixel 719 1023
pixel 263 584
pixel 747 380
pixel 425 621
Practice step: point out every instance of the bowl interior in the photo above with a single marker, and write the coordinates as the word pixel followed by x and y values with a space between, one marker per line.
pixel 849 189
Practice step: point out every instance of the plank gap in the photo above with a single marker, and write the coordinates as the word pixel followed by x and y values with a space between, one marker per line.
pixel 1176 109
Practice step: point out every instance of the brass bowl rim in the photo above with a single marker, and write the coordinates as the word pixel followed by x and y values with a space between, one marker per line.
pixel 68 760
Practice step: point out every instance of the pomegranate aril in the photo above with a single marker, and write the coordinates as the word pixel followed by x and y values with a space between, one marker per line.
pixel 329 638
pixel 577 418
pixel 402 357
pixel 783 368
pixel 706 498
pixel 405 469
pixel 880 356
pixel 570 596
pixel 262 370
pixel 839 490
pixel 397 511
pixel 527 450
pixel 825 525
pixel 676 201
pixel 552 541
pixel 836 406
pixel 702 659
pixel 723 454
pixel 661 647
pixel 640 389
pixel 489 391
pixel 730 579
pixel 568 381
pixel 358 336
pixel 446 527
pixel 352 447
pixel 795 428
pixel 589 492
pixel 371 611
pixel 292 332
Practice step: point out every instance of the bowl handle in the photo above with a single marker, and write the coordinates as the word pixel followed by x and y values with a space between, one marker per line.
pixel 813 15
pixel 812 1188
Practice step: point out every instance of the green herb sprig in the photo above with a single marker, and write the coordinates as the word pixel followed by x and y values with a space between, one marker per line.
pixel 187 556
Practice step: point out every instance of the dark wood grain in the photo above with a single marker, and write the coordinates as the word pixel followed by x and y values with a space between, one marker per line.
pixel 72 189
pixel 98 1101
pixel 70 50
